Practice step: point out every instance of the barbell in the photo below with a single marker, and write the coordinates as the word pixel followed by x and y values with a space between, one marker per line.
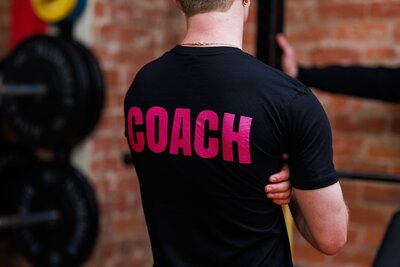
pixel 22 90
pixel 51 209
pixel 51 91
pixel 14 221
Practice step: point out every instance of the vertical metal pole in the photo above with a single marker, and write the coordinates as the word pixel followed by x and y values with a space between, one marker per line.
pixel 270 22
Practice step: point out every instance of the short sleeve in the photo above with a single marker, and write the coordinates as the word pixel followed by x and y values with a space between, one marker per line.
pixel 309 143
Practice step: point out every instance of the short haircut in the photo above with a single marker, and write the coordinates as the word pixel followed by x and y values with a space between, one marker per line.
pixel 193 7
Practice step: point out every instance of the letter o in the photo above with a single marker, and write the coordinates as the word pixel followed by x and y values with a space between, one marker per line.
pixel 157 114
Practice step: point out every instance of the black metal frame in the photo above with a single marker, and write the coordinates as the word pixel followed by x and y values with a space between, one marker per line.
pixel 270 22
pixel 375 177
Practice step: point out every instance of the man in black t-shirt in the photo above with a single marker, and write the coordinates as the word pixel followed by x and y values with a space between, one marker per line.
pixel 207 124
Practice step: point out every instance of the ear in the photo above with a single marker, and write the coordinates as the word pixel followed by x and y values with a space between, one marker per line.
pixel 246 3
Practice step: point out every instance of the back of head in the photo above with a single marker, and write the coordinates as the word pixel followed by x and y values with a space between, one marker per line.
pixel 193 7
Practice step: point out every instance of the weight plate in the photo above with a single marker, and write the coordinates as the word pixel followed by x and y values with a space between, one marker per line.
pixel 13 155
pixel 95 101
pixel 84 81
pixel 14 161
pixel 51 120
pixel 77 12
pixel 2 63
pixel 69 241
pixel 52 11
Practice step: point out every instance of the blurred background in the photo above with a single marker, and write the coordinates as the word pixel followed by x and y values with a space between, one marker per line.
pixel 126 34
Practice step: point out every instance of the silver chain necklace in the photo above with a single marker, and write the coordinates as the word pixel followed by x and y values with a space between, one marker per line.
pixel 208 44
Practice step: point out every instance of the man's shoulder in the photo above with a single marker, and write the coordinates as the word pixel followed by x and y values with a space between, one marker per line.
pixel 152 66
pixel 271 77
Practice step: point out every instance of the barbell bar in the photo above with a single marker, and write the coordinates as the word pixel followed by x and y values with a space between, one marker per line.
pixel 28 220
pixel 22 90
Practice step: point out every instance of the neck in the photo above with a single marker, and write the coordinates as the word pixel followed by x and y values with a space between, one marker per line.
pixel 215 28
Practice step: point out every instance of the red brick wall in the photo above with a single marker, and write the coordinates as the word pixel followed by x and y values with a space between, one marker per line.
pixel 127 34
pixel 366 133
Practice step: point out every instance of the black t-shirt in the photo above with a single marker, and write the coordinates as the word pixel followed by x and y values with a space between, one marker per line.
pixel 206 128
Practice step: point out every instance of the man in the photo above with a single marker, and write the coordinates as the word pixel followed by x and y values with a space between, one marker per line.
pixel 379 83
pixel 205 123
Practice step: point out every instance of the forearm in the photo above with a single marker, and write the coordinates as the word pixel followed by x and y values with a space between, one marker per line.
pixel 301 223
pixel 369 82
pixel 321 217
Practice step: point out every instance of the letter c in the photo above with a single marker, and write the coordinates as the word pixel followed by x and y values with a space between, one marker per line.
pixel 136 142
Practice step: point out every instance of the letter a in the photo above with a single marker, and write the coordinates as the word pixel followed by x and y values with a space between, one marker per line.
pixel 180 125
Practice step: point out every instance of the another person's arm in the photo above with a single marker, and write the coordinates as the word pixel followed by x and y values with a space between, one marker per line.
pixel 380 83
pixel 280 189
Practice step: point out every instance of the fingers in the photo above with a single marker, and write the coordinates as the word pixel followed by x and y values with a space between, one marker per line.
pixel 284 44
pixel 278 187
pixel 281 176
pixel 289 63
pixel 281 195
pixel 280 198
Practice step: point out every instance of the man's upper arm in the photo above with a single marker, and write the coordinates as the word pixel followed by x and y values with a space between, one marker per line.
pixel 309 144
pixel 318 205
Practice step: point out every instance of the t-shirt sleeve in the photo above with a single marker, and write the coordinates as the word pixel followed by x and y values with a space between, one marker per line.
pixel 309 143
pixel 381 83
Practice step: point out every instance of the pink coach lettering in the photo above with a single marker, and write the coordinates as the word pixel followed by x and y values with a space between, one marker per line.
pixel 180 137
pixel 153 115
pixel 212 150
pixel 135 117
pixel 156 133
pixel 242 137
